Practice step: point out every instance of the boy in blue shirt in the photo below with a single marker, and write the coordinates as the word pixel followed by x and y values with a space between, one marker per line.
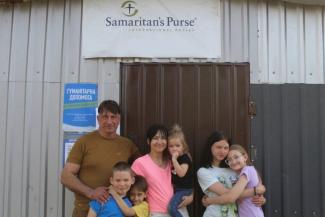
pixel 121 181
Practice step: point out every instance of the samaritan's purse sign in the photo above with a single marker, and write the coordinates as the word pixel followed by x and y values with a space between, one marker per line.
pixel 151 28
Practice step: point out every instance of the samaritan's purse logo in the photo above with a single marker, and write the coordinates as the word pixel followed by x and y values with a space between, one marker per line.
pixel 129 8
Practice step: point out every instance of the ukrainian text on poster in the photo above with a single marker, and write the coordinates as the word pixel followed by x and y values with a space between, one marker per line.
pixel 80 103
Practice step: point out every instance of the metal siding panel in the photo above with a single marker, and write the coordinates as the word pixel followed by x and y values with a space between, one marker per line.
pixel 289 127
pixel 54 40
pixel 109 91
pixel 89 70
pixel 225 25
pixel 245 45
pixel 241 120
pixel 3 144
pixel 72 41
pixel 36 45
pixel 295 44
pixel 276 43
pixel 19 40
pixel 253 39
pixel 53 149
pixel 314 72
pixel 151 98
pixel 171 96
pixel 238 26
pixel 262 52
pixel 131 84
pixel 15 143
pixel 5 40
pixel 272 142
pixel 33 149
pixel 69 203
pixel 188 99
pixel 322 145
pixel 257 131
pixel 224 104
pixel 109 71
pixel 292 152
pixel 205 110
pixel 310 150
pixel 108 84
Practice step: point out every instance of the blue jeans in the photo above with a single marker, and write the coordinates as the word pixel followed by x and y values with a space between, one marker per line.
pixel 176 200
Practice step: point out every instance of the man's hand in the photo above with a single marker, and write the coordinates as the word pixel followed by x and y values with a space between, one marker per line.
pixel 259 200
pixel 100 194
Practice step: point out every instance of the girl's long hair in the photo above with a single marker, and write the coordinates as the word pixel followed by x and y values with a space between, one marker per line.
pixel 206 157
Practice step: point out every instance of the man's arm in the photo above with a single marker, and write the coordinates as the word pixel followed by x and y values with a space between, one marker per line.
pixel 70 180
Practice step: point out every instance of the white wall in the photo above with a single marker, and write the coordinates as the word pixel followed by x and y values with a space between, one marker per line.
pixel 40 51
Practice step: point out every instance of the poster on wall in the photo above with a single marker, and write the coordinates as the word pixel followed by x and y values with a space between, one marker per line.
pixel 69 139
pixel 80 103
pixel 151 28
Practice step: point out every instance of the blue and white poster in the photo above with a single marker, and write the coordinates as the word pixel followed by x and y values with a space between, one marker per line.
pixel 80 103
pixel 69 138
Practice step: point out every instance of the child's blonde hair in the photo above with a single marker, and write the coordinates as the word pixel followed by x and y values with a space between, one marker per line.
pixel 242 150
pixel 177 132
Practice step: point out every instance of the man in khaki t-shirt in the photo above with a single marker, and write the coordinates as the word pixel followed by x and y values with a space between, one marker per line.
pixel 92 157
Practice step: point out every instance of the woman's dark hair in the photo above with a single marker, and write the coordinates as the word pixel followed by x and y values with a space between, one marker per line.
pixel 163 131
pixel 207 158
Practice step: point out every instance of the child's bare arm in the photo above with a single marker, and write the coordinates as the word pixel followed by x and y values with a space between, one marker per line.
pixel 228 197
pixel 180 169
pixel 126 210
pixel 259 190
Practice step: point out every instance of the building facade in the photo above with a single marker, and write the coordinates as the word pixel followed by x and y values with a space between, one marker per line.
pixel 40 51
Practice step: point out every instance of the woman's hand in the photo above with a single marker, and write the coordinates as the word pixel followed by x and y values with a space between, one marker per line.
pixel 260 189
pixel 187 200
pixel 206 201
pixel 259 200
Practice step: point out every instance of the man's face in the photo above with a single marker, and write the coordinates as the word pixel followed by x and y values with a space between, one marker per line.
pixel 122 181
pixel 108 122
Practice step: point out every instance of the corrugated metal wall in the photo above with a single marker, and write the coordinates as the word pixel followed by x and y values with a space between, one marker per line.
pixel 288 132
pixel 40 50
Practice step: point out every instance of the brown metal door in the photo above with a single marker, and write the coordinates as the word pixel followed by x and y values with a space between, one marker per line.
pixel 199 97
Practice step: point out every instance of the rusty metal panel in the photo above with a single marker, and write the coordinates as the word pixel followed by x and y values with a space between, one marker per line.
pixel 200 97
pixel 288 132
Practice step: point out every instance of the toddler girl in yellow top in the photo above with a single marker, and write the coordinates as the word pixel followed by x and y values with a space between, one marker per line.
pixel 138 193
